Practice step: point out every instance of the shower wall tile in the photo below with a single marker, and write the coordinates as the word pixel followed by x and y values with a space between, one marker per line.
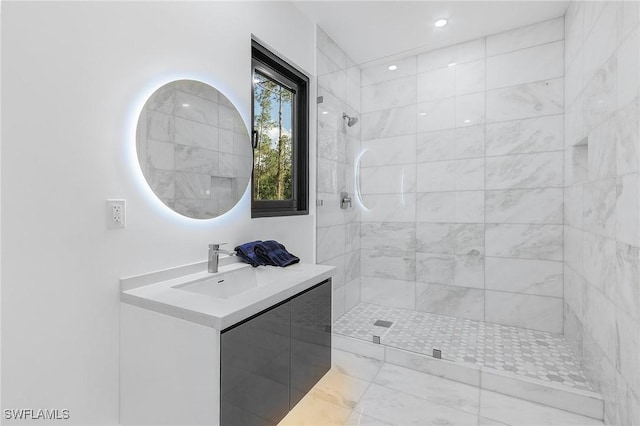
pixel 450 300
pixel 435 207
pixel 599 95
pixel 470 174
pixel 390 94
pixel 628 138
pixel 469 271
pixel 379 73
pixel 601 40
pixel 470 109
pixel 524 310
pixel 527 276
pixel 526 100
pixel 329 48
pixel 459 53
pixel 469 239
pixel 436 146
pixel 525 206
pixel 389 208
pixel 352 294
pixel 435 268
pixel 470 77
pixel 526 65
pixel 335 83
pixel 352 236
pixel 388 236
pixel 599 207
pixel 352 265
pixel 602 217
pixel 628 277
pixel 525 136
pixel 599 262
pixel 392 264
pixel 389 122
pixel 628 209
pixel 601 159
pixel 436 115
pixel 542 242
pixel 330 242
pixel 436 176
pixel 338 280
pixel 388 179
pixel 470 206
pixel 389 151
pixel 388 292
pixel 520 38
pixel 628 57
pixel 541 170
pixel 436 84
pixel 439 238
pixel 470 142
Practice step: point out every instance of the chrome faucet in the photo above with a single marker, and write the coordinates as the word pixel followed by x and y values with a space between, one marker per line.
pixel 214 252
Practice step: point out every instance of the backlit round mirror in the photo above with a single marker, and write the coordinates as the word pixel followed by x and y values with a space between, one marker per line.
pixel 194 149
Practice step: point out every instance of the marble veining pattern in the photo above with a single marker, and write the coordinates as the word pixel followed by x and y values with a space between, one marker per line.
pixel 364 391
pixel 531 353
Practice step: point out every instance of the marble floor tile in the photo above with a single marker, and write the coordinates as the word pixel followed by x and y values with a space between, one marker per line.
pixel 400 408
pixel 513 411
pixel 315 411
pixel 426 386
pixel 357 366
pixel 340 389
pixel 358 419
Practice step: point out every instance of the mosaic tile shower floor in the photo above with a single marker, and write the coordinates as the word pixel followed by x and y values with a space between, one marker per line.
pixel 535 354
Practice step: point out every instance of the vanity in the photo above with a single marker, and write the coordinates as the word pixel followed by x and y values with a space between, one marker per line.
pixel 238 347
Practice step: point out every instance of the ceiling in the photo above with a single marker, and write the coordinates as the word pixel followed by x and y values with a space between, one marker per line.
pixel 371 30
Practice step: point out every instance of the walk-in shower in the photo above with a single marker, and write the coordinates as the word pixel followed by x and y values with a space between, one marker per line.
pixel 468 237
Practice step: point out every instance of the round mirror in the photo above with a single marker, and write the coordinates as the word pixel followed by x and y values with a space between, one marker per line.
pixel 194 149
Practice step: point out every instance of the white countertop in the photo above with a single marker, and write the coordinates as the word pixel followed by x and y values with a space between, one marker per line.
pixel 159 292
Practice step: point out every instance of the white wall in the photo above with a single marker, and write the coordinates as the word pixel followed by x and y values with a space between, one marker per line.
pixel 74 75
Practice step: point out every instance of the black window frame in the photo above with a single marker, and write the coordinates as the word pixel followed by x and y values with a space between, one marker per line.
pixel 269 64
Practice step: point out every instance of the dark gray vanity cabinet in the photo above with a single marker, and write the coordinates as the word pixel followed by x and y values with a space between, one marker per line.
pixel 310 340
pixel 271 360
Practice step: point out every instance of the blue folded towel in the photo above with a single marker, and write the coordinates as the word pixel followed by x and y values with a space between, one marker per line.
pixel 273 253
pixel 247 253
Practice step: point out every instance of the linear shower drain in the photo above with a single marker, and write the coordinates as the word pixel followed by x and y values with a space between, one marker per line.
pixel 382 323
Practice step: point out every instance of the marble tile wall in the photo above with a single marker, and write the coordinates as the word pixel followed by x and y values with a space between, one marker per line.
pixel 602 198
pixel 338 230
pixel 461 179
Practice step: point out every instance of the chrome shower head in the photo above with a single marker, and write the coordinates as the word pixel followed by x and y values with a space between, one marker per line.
pixel 351 121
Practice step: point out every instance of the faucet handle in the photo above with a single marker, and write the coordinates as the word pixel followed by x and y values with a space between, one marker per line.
pixel 216 246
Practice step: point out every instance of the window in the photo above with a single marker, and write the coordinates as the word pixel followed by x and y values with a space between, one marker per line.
pixel 280 134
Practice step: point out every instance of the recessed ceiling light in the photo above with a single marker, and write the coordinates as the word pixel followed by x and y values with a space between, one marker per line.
pixel 393 67
pixel 467 121
pixel 325 112
pixel 186 105
pixel 423 113
pixel 452 64
pixel 440 23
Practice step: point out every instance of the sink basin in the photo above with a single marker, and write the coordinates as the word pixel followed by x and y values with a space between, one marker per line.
pixel 238 279
pixel 224 285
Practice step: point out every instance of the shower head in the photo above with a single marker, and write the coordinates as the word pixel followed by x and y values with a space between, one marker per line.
pixel 351 121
